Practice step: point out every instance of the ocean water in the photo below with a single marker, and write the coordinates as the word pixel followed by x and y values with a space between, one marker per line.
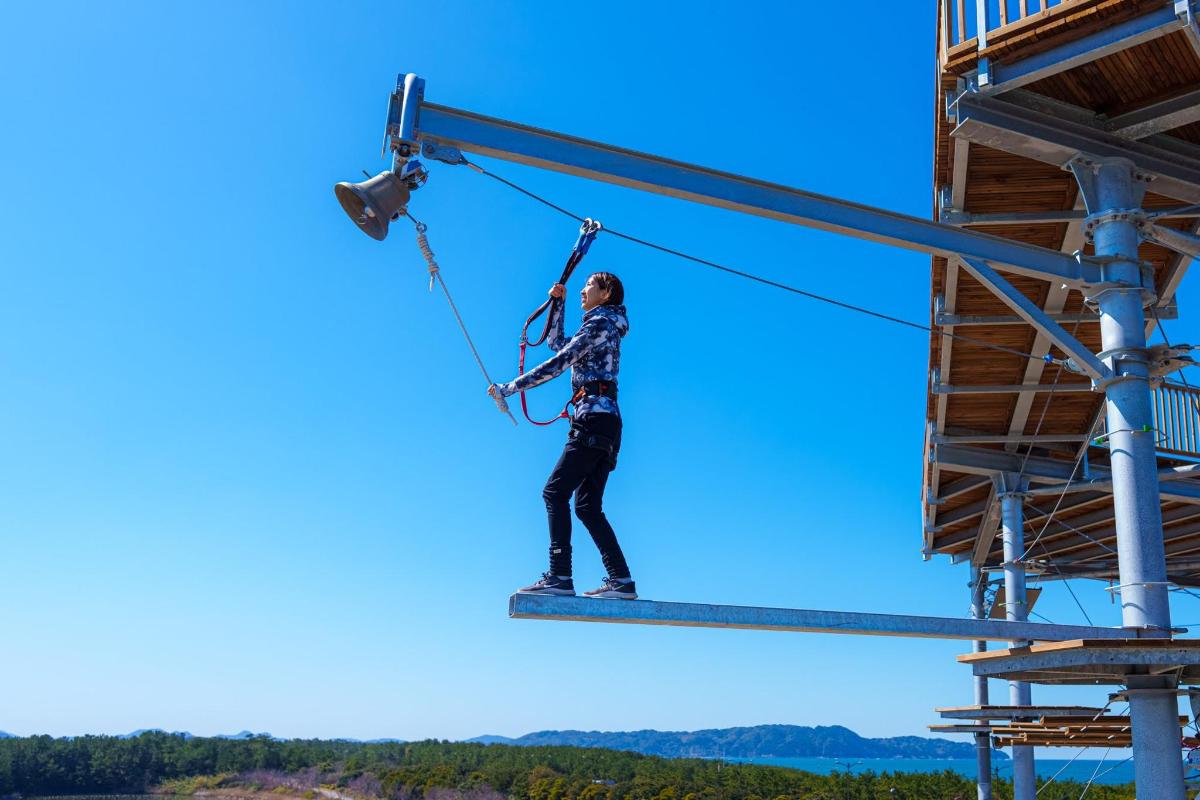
pixel 1110 771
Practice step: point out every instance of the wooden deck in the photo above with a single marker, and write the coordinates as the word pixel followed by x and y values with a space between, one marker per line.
pixel 960 509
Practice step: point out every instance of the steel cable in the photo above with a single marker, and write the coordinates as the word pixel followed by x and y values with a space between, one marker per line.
pixel 765 281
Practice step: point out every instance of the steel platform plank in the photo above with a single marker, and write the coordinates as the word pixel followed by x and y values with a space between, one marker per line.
pixel 701 615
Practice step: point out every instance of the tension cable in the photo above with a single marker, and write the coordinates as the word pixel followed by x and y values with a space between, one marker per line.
pixel 1049 359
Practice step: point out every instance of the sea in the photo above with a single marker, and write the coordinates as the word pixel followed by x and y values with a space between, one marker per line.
pixel 1113 770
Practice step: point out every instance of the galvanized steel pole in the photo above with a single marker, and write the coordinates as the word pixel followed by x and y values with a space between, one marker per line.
pixel 1114 187
pixel 983 741
pixel 1012 525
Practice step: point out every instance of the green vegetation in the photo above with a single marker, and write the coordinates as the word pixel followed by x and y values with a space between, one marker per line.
pixel 40 765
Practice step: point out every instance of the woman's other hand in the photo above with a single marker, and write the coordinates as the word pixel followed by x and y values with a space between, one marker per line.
pixel 558 291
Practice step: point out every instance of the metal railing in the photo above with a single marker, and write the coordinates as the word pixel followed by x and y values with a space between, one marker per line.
pixel 1177 419
pixel 960 18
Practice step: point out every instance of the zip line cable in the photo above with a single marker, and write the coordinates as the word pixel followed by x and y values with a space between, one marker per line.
pixel 765 281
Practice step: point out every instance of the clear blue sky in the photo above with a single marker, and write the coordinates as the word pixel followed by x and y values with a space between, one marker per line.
pixel 249 476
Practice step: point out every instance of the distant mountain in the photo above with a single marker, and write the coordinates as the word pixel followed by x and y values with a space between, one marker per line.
pixel 760 741
pixel 489 739
pixel 140 731
pixel 6 735
pixel 240 735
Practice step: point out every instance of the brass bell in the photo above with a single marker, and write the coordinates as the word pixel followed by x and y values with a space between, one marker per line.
pixel 374 202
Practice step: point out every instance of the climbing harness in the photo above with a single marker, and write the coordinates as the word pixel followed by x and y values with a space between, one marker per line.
pixel 587 234
pixel 435 274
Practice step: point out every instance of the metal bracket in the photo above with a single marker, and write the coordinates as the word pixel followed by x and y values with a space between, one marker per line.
pixel 1084 168
pixel 1186 15
pixel 404 105
pixel 442 152
pixel 1134 215
pixel 947 213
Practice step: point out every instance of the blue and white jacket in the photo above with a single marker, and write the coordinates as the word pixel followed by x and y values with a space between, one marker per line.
pixel 593 354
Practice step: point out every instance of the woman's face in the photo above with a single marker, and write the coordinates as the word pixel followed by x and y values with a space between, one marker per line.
pixel 592 295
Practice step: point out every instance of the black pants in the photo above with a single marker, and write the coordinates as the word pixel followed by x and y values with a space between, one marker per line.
pixel 583 470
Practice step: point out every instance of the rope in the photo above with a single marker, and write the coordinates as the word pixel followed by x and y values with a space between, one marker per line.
pixel 766 281
pixel 435 274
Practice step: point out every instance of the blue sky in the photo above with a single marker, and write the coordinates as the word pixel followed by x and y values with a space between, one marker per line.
pixel 250 478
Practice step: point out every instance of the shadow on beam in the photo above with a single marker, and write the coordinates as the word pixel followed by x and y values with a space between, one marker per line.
pixel 700 615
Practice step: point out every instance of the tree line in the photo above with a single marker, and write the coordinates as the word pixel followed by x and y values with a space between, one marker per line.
pixel 431 770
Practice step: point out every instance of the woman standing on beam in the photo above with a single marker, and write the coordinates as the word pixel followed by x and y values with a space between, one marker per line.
pixel 590 454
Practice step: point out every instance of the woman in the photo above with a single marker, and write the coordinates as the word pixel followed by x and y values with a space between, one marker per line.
pixel 594 355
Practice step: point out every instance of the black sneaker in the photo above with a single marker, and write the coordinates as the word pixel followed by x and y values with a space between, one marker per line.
pixel 613 589
pixel 550 583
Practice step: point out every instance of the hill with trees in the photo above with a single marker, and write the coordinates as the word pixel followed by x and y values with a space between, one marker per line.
pixel 313 769
pixel 778 741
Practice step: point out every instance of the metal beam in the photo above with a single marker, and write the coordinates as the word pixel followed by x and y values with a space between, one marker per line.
pixel 698 615
pixel 1038 318
pixel 1055 302
pixel 952 217
pixel 1063 388
pixel 946 319
pixel 1001 125
pixel 998 664
pixel 959 487
pixel 1180 241
pixel 1165 115
pixel 1002 438
pixel 996 77
pixel 1016 712
pixel 442 127
pixel 980 461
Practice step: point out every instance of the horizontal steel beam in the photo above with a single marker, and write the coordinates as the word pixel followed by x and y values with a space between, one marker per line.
pixel 952 217
pixel 994 123
pixel 1174 112
pixel 943 318
pixel 1016 712
pixel 1004 438
pixel 959 488
pixel 1061 388
pixel 698 615
pixel 996 77
pixel 1037 660
pixel 441 126
pixel 979 461
pixel 1035 316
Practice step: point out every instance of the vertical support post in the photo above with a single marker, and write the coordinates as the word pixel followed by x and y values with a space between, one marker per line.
pixel 1112 185
pixel 1010 489
pixel 982 22
pixel 983 741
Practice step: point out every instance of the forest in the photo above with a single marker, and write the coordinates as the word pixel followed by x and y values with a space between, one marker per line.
pixel 432 770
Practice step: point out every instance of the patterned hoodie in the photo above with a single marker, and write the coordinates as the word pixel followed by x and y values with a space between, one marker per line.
pixel 593 354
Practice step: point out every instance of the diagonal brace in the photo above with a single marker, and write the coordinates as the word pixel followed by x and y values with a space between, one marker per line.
pixel 1177 240
pixel 1029 311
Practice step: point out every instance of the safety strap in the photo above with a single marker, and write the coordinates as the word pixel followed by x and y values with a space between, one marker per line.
pixel 587 235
